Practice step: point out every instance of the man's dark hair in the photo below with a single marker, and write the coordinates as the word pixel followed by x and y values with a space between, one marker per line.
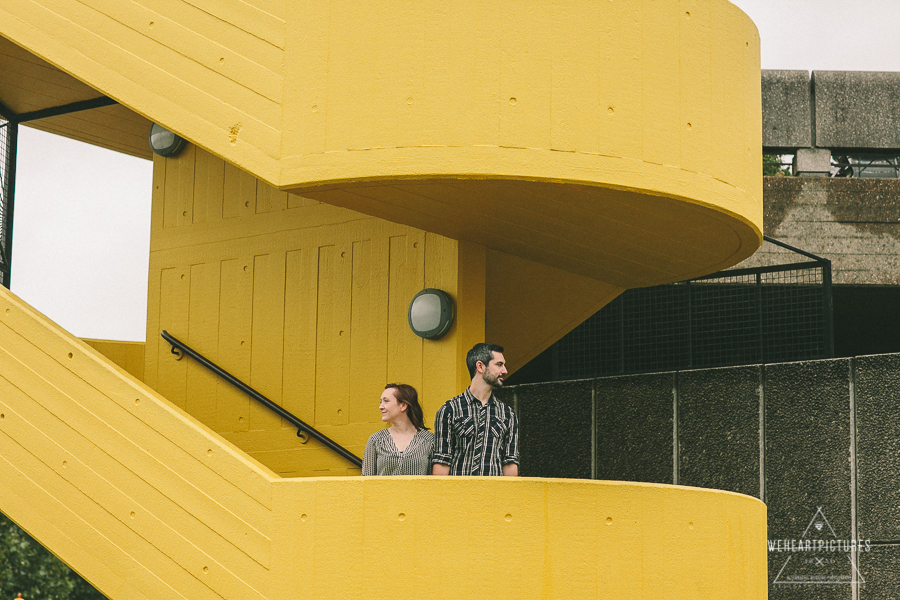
pixel 483 353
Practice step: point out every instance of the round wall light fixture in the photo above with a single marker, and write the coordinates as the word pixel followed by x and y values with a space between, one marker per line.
pixel 164 142
pixel 431 313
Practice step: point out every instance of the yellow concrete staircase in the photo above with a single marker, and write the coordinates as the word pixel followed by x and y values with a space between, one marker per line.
pixel 127 489
pixel 145 502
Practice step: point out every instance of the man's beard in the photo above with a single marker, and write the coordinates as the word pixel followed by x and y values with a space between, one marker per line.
pixel 493 381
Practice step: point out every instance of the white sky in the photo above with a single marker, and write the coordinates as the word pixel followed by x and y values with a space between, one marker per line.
pixel 81 235
pixel 827 35
pixel 82 215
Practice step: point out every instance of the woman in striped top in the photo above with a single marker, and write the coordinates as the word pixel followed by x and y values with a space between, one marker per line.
pixel 404 448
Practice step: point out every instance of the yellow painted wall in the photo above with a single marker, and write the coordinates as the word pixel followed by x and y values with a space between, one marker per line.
pixel 307 303
pixel 204 69
pixel 529 306
pixel 527 538
pixel 619 141
pixel 123 486
pixel 304 301
pixel 128 355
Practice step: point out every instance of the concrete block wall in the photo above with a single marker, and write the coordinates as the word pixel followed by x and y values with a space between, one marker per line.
pixel 807 436
pixel 853 222
pixel 850 110
pixel 787 116
pixel 856 109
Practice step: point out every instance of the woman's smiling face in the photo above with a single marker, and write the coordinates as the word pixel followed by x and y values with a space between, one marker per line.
pixel 391 409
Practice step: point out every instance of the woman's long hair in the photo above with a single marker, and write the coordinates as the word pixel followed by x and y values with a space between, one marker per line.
pixel 407 394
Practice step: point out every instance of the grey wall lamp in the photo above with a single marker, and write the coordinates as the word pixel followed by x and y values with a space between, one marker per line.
pixel 164 142
pixel 431 313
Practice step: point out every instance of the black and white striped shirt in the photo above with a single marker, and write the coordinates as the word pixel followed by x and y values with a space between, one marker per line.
pixel 474 438
pixel 383 458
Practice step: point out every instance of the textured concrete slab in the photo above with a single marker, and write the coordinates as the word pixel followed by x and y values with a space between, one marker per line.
pixel 853 222
pixel 878 568
pixel 555 429
pixel 858 200
pixel 787 121
pixel 718 429
pixel 812 162
pixel 807 460
pixel 878 447
pixel 857 109
pixel 634 428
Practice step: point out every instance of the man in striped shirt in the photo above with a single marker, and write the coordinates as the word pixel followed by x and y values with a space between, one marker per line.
pixel 475 433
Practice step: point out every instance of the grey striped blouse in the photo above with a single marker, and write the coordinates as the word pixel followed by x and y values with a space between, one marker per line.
pixel 383 458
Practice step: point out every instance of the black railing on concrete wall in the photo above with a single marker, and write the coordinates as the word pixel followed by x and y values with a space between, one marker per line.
pixel 302 428
pixel 758 315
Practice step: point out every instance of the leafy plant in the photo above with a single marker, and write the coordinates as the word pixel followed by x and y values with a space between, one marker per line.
pixel 772 166
pixel 27 568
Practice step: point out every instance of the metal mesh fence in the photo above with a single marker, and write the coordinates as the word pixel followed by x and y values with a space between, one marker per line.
pixel 746 316
pixel 7 139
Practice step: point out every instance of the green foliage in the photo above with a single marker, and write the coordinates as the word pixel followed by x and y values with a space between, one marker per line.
pixel 772 166
pixel 29 569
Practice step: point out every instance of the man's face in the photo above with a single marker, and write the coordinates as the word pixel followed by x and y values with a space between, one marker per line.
pixel 495 371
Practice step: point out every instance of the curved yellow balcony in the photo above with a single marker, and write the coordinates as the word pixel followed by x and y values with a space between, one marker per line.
pixel 496 538
pixel 619 140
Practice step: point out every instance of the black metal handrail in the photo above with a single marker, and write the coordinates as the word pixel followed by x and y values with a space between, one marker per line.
pixel 797 250
pixel 302 427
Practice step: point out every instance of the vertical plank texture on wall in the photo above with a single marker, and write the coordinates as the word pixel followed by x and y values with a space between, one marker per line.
pixel 407 278
pixel 209 188
pixel 235 320
pixel 368 328
pixel 203 333
pixel 179 188
pixel 267 335
pixel 333 336
pixel 239 197
pixel 173 317
pixel 441 360
pixel 300 317
pixel 269 199
pixel 305 303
